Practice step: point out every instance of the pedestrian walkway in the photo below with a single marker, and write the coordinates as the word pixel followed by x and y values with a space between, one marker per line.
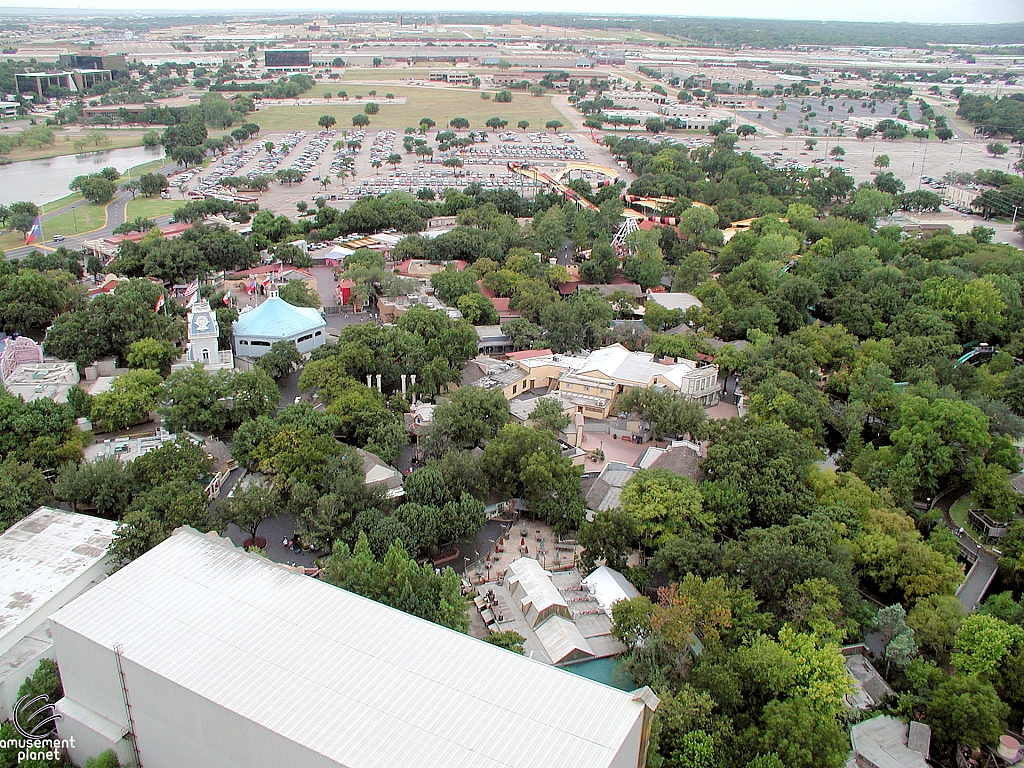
pixel 979 578
pixel 981 574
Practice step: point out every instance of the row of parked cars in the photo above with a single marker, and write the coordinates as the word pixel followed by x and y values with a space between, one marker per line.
pixel 273 159
pixel 345 158
pixel 383 145
pixel 311 154
pixel 227 167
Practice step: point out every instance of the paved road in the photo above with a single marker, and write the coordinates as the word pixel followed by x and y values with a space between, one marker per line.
pixel 116 216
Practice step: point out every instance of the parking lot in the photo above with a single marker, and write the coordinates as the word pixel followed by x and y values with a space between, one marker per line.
pixel 297 151
pixel 344 165
pixel 816 116
pixel 438 179
pixel 910 159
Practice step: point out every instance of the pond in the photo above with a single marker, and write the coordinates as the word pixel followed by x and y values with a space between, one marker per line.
pixel 607 670
pixel 40 181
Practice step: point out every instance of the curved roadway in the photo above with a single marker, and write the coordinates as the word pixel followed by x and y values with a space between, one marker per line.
pixel 116 214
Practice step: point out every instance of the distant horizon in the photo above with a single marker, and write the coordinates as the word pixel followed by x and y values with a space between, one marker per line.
pixel 984 12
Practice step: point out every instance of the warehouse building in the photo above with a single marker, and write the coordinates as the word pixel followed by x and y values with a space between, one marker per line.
pixel 199 653
pixel 46 560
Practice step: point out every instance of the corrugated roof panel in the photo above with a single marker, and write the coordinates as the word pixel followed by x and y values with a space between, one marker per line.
pixel 355 674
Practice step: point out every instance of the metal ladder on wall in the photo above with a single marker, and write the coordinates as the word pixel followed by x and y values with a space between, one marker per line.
pixel 118 651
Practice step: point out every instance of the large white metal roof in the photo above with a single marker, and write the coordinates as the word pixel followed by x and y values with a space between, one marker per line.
pixel 361 683
pixel 43 554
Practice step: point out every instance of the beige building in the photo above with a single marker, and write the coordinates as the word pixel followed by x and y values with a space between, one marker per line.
pixel 593 383
pixel 959 197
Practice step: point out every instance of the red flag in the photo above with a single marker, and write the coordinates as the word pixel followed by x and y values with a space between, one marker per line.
pixel 227 299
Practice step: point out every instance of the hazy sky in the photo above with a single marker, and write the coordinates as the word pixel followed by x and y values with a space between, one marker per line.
pixel 957 11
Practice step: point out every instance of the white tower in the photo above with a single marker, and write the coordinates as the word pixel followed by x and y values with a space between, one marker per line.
pixel 203 334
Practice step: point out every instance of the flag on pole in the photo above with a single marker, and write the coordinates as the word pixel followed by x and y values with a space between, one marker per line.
pixel 251 288
pixel 192 292
pixel 227 299
pixel 36 233
pixel 159 303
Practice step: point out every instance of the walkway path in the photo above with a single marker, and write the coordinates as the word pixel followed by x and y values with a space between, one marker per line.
pixel 979 578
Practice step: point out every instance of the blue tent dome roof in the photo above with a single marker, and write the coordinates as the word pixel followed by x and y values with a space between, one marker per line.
pixel 276 317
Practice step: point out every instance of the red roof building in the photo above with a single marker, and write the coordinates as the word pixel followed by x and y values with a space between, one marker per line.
pixel 526 354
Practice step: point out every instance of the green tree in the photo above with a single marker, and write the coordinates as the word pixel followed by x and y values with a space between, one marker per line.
pixel 471 416
pixel 549 414
pixel 966 710
pixel 31 300
pixel 509 640
pixel 802 736
pixel 935 621
pixel 665 505
pixel 611 536
pixel 110 323
pixel 670 414
pixel 23 488
pixel 106 759
pixel 982 642
pixel 528 464
pixel 477 309
pixel 281 359
pixel 398 581
pixel 153 354
pixel 329 121
pixel 299 294
pixel 128 401
pixel 249 508
pixel 758 470
pixel 194 400
pixel 152 184
pixel 95 187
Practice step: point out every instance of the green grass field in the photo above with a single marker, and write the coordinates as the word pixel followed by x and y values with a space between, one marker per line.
pixel 151 207
pixel 64 145
pixel 74 197
pixel 9 240
pixel 147 167
pixel 441 105
pixel 84 218
pixel 959 514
